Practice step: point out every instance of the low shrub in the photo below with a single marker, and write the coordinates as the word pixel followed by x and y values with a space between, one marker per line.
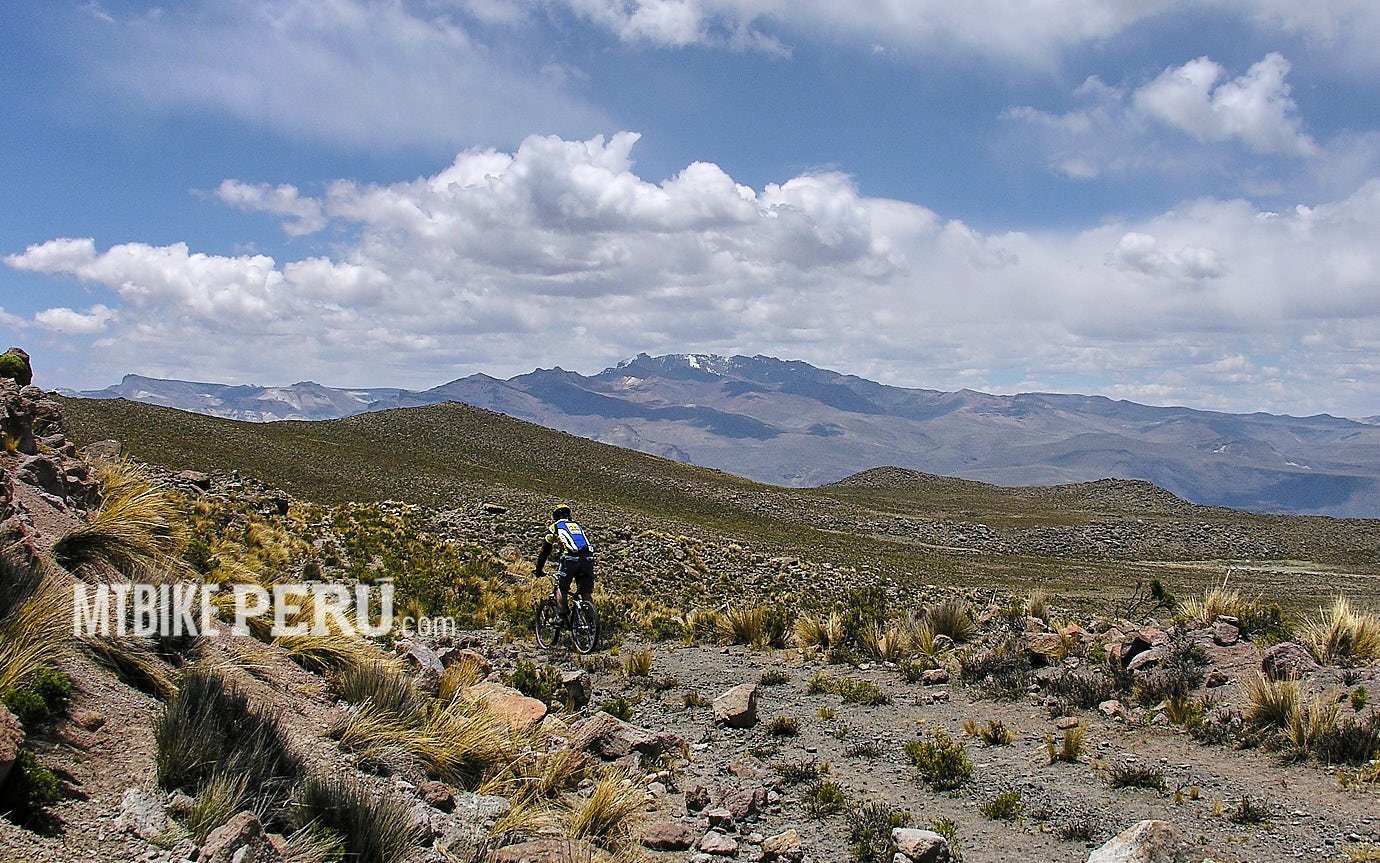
pixel 1081 689
pixel 1068 748
pixel 993 733
pixel 783 726
pixel 1250 810
pixel 1000 671
pixel 941 761
pixel 1134 775
pixel 636 663
pixel 798 771
pixel 620 706
pixel 29 789
pixel 40 697
pixel 774 677
pixel 865 749
pixel 1005 806
pixel 869 832
pixel 824 799
pixel 540 682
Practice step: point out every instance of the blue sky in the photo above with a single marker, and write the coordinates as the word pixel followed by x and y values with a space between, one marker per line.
pixel 1172 202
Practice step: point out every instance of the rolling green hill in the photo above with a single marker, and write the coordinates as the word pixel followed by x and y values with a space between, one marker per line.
pixel 1085 541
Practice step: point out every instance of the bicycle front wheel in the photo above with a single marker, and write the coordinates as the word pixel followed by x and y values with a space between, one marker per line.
pixel 548 624
pixel 584 626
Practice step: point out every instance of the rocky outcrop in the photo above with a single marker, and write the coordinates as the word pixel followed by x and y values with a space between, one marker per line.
pixel 15 366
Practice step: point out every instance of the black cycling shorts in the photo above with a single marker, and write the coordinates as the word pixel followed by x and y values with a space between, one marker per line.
pixel 580 570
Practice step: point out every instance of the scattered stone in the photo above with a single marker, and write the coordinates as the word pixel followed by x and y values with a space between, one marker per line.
pixel 920 846
pixel 1145 842
pixel 1216 678
pixel 1288 660
pixel 1111 708
pixel 696 798
pixel 103 451
pixel 179 803
pixel 721 819
pixel 1225 634
pixel 1044 648
pixel 611 738
pixel 437 795
pixel 743 800
pixel 719 843
pixel 196 478
pixel 783 846
pixel 1144 659
pixel 240 840
pixel 668 836
pixel 934 677
pixel 493 508
pixel 89 720
pixel 737 708
pixel 142 814
pixel 1063 723
pixel 481 664
pixel 578 687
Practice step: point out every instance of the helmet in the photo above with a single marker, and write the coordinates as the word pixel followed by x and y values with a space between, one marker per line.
pixel 561 511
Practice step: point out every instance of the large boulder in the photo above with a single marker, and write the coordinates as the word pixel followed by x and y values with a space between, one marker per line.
pixel 737 708
pixel 240 840
pixel 920 846
pixel 516 709
pixel 668 836
pixel 1145 842
pixel 11 738
pixel 1288 660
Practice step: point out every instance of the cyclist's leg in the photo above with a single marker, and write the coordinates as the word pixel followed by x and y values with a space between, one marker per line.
pixel 565 576
pixel 584 579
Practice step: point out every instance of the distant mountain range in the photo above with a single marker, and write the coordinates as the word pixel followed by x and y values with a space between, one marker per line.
pixel 790 423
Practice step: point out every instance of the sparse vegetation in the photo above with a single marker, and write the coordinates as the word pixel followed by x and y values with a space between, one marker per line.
pixel 1343 636
pixel 783 726
pixel 610 814
pixel 1068 747
pixel 373 828
pixel 994 732
pixel 1005 806
pixel 869 832
pixel 1133 774
pixel 824 799
pixel 636 663
pixel 941 761
pixel 138 528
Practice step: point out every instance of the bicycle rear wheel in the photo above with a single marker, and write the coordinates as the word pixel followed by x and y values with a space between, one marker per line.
pixel 548 624
pixel 584 626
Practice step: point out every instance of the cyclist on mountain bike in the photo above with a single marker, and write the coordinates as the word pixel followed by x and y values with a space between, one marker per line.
pixel 577 556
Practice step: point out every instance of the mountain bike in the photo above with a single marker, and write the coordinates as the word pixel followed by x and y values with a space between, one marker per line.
pixel 582 619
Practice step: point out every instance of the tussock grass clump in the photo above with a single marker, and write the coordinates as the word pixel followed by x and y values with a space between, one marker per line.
pixel 953 618
pixel 461 742
pixel 824 799
pixel 1005 806
pixel 373 828
pixel 759 626
pixel 1270 703
pixel 37 618
pixel 799 771
pixel 1250 810
pixel 609 816
pixel 1068 748
pixel 869 831
pixel 1343 636
pixel 383 685
pixel 992 733
pixel 137 662
pixel 137 529
pixel 783 726
pixel 461 675
pixel 1214 602
pixel 819 634
pixel 1134 775
pixel 335 651
pixel 209 725
pixel 1037 604
pixel 638 663
pixel 220 798
pixel 889 643
pixel 941 761
pixel 851 689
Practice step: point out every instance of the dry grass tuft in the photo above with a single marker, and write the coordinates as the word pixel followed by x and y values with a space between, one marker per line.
pixel 1271 703
pixel 138 528
pixel 37 619
pixel 610 815
pixel 1343 636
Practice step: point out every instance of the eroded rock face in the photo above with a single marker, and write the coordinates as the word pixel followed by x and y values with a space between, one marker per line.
pixel 1145 842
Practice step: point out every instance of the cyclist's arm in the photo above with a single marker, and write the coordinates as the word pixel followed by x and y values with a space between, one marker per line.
pixel 545 553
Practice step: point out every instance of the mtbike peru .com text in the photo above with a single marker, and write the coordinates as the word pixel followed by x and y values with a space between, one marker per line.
pixel 168 610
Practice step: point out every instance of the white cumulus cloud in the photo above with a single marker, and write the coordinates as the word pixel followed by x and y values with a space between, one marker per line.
pixel 1255 108
pixel 559 252
pixel 70 322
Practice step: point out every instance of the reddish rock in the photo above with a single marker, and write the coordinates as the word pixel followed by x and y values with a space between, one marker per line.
pixel 737 708
pixel 934 677
pixel 11 738
pixel 743 799
pixel 611 738
pixel 1288 660
pixel 668 836
pixel 240 840
pixel 516 709
pixel 437 795
pixel 718 843
pixel 696 798
pixel 1225 634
